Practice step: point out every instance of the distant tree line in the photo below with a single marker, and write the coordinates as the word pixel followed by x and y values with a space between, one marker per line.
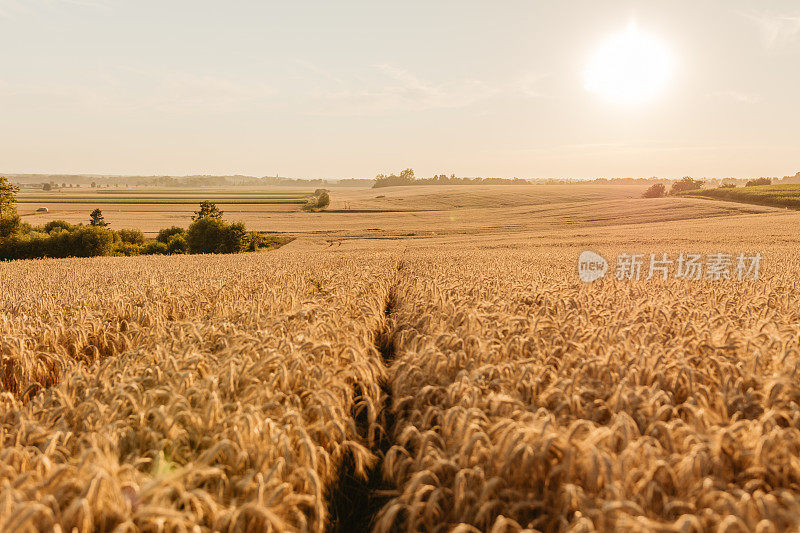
pixel 354 182
pixel 759 181
pixel 66 180
pixel 407 177
pixel 687 183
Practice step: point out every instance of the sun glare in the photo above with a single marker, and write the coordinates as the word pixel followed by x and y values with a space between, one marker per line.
pixel 629 68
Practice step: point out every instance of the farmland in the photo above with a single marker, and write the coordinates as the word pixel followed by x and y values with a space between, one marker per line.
pixel 163 196
pixel 151 209
pixel 772 195
pixel 403 212
pixel 459 379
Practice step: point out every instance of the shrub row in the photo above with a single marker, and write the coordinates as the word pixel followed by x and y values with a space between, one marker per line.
pixel 83 241
pixel 62 239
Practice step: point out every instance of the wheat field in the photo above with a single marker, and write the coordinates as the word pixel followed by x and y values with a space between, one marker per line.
pixel 419 211
pixel 427 385
pixel 174 404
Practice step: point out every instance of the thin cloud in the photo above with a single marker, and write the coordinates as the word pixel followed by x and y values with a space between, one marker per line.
pixel 94 4
pixel 182 93
pixel 13 9
pixel 190 92
pixel 529 84
pixel 744 98
pixel 387 89
pixel 777 30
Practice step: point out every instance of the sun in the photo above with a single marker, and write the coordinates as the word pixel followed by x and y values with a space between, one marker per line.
pixel 630 68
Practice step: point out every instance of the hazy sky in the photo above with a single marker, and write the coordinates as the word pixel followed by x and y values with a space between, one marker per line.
pixel 350 89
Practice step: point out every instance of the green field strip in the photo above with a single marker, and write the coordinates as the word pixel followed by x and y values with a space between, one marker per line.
pixel 768 195
pixel 134 201
pixel 200 193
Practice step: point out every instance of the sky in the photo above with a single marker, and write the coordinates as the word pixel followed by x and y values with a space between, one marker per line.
pixel 352 89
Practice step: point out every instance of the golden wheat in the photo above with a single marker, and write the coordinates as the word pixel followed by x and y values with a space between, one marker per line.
pixel 528 400
pixel 219 392
pixel 233 393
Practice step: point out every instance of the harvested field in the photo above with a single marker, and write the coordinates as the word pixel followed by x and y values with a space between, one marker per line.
pixel 420 211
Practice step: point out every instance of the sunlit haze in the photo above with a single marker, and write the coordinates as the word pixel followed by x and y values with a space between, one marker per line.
pixel 629 68
pixel 349 89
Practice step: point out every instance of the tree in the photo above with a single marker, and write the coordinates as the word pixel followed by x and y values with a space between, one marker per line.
pixel 47 187
pixel 165 235
pixel 9 225
pixel 8 197
pixel 97 219
pixel 323 200
pixel 320 200
pixel 177 245
pixel 54 225
pixel 90 242
pixel 406 177
pixel 131 236
pixel 657 190
pixel 686 184
pixel 210 235
pixel 757 182
pixel 94 184
pixel 207 210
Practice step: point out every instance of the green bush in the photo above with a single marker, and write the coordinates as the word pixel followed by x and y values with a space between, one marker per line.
pixel 235 239
pixel 253 241
pixel 90 241
pixel 177 245
pixel 58 224
pixel 131 236
pixel 256 241
pixel 323 200
pixel 59 244
pixel 61 239
pixel 318 201
pixel 82 241
pixel 126 248
pixel 209 235
pixel 22 246
pixel 166 234
pixel 685 184
pixel 9 225
pixel 205 235
pixel 154 248
pixel 657 190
